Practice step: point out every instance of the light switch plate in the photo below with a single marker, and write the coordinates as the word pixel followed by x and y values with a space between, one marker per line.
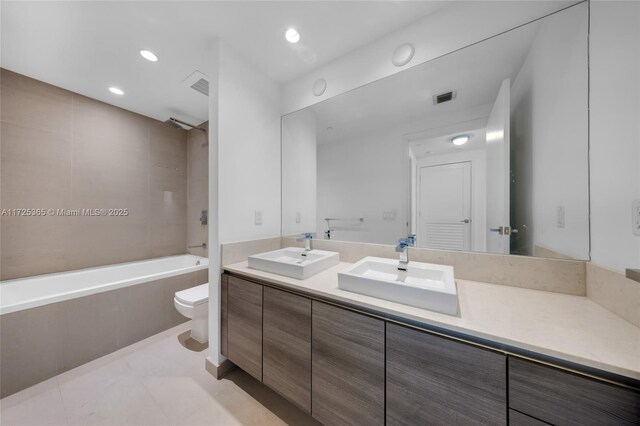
pixel 388 215
pixel 298 217
pixel 258 217
pixel 636 217
pixel 560 216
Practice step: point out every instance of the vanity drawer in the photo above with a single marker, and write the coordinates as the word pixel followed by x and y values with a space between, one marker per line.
pixel 563 398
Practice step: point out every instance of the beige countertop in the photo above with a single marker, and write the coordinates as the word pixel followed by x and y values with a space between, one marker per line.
pixel 571 328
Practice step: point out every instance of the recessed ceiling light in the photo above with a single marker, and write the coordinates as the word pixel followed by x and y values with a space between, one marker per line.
pixel 460 140
pixel 116 91
pixel 292 35
pixel 148 55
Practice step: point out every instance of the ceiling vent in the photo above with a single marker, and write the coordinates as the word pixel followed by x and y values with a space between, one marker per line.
pixel 198 82
pixel 201 86
pixel 444 97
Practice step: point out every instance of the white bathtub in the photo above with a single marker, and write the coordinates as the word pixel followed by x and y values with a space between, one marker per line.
pixel 30 292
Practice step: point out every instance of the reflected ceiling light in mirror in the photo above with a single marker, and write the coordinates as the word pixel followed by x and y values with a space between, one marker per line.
pixel 495 135
pixel 292 35
pixel 319 86
pixel 460 140
pixel 149 55
pixel 403 54
pixel 116 91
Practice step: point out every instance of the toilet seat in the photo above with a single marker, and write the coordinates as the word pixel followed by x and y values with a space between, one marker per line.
pixel 194 296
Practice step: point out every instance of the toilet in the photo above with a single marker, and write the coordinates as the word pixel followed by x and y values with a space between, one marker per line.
pixel 193 303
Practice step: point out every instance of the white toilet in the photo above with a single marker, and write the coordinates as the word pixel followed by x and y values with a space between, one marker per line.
pixel 194 303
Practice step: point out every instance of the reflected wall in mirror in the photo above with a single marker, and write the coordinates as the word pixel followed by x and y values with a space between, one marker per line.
pixel 484 149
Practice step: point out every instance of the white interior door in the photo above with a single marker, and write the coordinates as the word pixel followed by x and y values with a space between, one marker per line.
pixel 444 216
pixel 498 173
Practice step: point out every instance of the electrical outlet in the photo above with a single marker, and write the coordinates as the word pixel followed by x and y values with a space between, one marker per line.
pixel 258 217
pixel 560 216
pixel 636 217
pixel 298 217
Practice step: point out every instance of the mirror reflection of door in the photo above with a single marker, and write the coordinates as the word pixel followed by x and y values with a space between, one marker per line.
pixel 444 216
pixel 521 101
pixel 498 169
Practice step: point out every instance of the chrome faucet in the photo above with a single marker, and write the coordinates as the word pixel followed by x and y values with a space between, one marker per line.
pixel 306 237
pixel 401 248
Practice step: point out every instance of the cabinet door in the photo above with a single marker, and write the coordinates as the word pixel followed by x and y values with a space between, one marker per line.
pixel 347 367
pixel 286 343
pixel 432 380
pixel 244 328
pixel 562 398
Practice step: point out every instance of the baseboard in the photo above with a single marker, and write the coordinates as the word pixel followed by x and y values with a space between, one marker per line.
pixel 218 371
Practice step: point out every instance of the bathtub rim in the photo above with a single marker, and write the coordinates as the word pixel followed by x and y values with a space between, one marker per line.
pixel 61 297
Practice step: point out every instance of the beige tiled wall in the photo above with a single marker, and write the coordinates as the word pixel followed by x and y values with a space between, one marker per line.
pixel 197 188
pixel 41 342
pixel 63 150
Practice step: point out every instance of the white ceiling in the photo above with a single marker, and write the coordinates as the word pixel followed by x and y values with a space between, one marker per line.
pixel 404 101
pixel 86 46
pixel 442 144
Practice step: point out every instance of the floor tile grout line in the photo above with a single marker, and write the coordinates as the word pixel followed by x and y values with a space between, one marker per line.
pixel 64 405
pixel 154 399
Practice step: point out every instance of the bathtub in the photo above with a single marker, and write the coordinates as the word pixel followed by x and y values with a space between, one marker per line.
pixel 30 292
pixel 52 323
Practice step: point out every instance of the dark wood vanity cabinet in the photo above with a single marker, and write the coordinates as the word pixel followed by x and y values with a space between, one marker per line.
pixel 347 367
pixel 564 398
pixel 224 317
pixel 432 380
pixel 244 325
pixel 286 339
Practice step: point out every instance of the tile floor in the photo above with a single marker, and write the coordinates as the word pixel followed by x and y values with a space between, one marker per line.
pixel 157 381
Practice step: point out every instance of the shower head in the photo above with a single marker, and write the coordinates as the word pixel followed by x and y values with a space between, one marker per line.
pixel 173 124
pixel 179 124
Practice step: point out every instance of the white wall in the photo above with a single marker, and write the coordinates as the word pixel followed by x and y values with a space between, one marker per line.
pixel 433 36
pixel 299 177
pixel 249 150
pixel 550 135
pixel 364 177
pixel 478 159
pixel 213 225
pixel 615 132
pixel 244 164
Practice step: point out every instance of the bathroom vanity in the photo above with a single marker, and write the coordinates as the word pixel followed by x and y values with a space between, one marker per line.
pixel 349 359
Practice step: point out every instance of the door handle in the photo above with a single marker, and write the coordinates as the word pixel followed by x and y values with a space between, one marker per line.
pixel 503 230
pixel 465 221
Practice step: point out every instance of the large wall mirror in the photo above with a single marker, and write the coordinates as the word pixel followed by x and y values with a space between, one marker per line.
pixel 484 149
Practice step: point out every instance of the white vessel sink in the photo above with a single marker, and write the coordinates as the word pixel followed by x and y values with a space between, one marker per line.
pixel 290 262
pixel 426 285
